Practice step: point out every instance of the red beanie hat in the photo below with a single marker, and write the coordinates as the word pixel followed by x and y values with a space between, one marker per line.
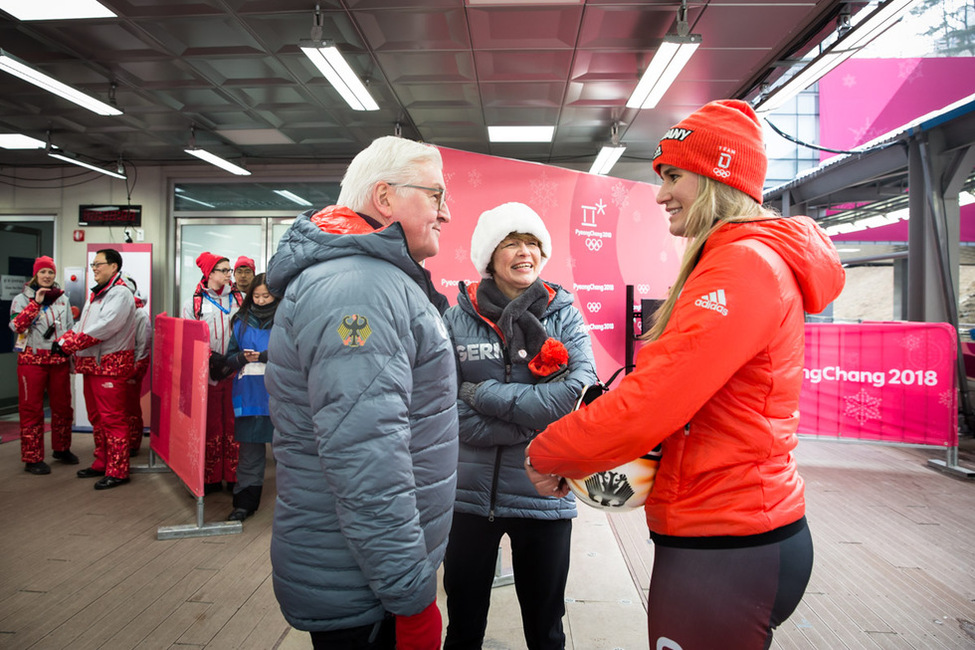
pixel 44 262
pixel 245 261
pixel 721 140
pixel 206 261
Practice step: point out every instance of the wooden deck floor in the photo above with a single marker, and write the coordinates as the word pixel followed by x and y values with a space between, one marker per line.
pixel 895 565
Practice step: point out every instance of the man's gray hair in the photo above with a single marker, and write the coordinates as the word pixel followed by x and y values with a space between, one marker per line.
pixel 389 158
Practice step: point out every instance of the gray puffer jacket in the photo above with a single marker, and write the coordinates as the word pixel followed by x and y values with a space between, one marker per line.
pixel 510 408
pixel 362 395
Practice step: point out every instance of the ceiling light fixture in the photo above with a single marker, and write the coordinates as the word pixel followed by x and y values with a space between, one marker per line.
pixel 18 68
pixel 671 57
pixel 294 198
pixel 609 154
pixel 18 141
pixel 213 159
pixel 330 62
pixel 848 44
pixel 521 133
pixel 75 160
pixel 55 9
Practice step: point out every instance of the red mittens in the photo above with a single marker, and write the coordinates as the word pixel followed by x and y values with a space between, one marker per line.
pixel 421 631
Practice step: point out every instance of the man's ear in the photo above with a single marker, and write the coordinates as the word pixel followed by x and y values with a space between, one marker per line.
pixel 382 200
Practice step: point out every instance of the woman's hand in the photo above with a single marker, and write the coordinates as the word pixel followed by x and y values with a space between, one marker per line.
pixel 251 355
pixel 39 295
pixel 547 485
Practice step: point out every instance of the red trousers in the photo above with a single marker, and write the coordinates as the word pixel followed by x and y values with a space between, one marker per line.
pixel 105 399
pixel 32 382
pixel 221 448
pixel 134 404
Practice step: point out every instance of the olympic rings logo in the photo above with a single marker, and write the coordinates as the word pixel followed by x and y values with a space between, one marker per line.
pixel 593 307
pixel 593 243
pixel 643 288
pixel 723 173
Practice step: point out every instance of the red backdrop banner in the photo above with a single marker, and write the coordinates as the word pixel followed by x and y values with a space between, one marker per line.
pixel 889 382
pixel 181 353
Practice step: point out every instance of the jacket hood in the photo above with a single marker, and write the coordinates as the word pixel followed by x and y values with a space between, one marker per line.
pixel 331 233
pixel 804 247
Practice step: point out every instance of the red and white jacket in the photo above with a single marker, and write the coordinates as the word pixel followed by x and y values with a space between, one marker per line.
pixel 719 388
pixel 33 320
pixel 103 339
pixel 215 309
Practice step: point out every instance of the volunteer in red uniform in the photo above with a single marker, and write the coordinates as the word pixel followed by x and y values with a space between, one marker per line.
pixel 244 270
pixel 718 384
pixel 38 316
pixel 214 302
pixel 143 354
pixel 103 342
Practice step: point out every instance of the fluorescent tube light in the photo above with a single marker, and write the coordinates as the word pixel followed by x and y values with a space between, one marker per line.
pixel 843 48
pixel 18 141
pixel 606 159
pixel 294 198
pixel 32 75
pixel 225 165
pixel 183 197
pixel 329 61
pixel 671 57
pixel 55 9
pixel 74 160
pixel 521 133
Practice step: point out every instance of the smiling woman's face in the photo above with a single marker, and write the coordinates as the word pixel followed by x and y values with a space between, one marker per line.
pixel 516 263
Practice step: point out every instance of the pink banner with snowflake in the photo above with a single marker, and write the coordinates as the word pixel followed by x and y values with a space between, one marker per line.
pixel 606 233
pixel 888 382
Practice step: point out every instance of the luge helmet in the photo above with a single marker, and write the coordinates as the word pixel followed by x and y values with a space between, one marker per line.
pixel 623 488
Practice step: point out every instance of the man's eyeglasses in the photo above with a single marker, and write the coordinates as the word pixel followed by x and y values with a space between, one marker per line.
pixel 439 196
pixel 95 265
pixel 221 270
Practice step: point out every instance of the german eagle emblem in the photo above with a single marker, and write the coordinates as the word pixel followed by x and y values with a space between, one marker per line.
pixel 354 330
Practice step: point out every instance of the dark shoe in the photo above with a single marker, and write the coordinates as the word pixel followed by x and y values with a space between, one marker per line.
pixel 109 482
pixel 37 468
pixel 90 472
pixel 133 452
pixel 210 488
pixel 239 514
pixel 66 457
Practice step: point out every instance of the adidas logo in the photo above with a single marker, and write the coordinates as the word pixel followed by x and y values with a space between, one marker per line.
pixel 715 301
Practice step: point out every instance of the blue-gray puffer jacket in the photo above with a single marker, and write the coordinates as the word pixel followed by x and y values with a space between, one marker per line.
pixel 511 408
pixel 362 394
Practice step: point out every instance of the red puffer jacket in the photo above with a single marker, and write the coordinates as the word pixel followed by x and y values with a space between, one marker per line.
pixel 719 388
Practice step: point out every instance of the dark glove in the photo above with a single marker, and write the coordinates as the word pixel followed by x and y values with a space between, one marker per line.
pixel 421 631
pixel 219 370
pixel 467 391
pixel 56 349
pixel 262 357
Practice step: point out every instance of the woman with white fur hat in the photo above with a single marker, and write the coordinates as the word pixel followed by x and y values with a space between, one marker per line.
pixel 523 355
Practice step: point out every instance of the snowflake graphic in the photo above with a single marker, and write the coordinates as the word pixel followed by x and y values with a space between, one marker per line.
pixel 862 407
pixel 909 71
pixel 637 216
pixel 947 398
pixel 447 177
pixel 570 262
pixel 474 177
pixel 861 134
pixel 460 254
pixel 621 196
pixel 911 342
pixel 849 81
pixel 543 193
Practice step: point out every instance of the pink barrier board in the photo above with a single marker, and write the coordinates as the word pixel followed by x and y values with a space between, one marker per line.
pixel 181 353
pixel 887 382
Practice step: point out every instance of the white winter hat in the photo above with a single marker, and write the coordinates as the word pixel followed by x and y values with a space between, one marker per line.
pixel 497 223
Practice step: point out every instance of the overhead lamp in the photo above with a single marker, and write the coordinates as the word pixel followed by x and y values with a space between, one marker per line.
pixel 75 160
pixel 294 198
pixel 849 43
pixel 18 68
pixel 608 155
pixel 521 133
pixel 18 141
pixel 671 57
pixel 327 58
pixel 183 197
pixel 56 10
pixel 211 158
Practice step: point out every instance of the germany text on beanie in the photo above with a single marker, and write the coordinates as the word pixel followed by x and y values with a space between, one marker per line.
pixel 721 140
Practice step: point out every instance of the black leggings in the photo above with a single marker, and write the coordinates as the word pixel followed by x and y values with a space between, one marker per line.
pixel 729 598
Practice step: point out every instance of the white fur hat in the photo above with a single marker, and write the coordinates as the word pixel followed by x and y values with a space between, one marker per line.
pixel 497 223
